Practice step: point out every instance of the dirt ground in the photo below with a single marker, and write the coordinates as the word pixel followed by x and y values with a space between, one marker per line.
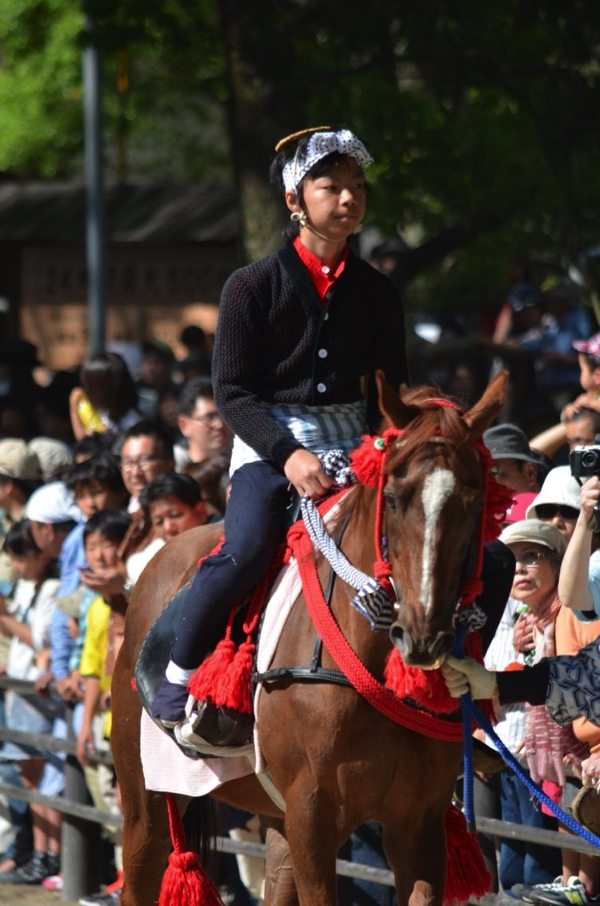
pixel 31 895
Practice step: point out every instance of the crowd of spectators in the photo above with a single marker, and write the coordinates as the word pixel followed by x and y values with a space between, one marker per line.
pixel 103 464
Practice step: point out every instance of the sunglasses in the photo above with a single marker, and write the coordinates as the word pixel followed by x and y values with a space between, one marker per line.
pixel 550 510
pixel 529 558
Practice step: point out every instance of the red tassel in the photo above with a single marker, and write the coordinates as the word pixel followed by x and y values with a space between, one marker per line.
pixel 366 460
pixel 234 689
pixel 426 687
pixel 205 681
pixel 185 883
pixel 466 874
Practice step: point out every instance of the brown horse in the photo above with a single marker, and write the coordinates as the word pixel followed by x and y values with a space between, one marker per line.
pixel 337 761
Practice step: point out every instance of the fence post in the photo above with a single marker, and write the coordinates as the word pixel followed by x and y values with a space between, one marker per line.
pixel 80 838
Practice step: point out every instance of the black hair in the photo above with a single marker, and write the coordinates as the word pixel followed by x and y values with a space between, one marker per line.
pixel 148 428
pixel 168 484
pixel 585 412
pixel 112 524
pixel 196 388
pixel 193 337
pixel 19 539
pixel 109 385
pixel 103 468
pixel 320 168
pixel 93 444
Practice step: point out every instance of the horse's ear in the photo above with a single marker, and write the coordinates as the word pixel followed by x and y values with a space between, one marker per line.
pixel 390 404
pixel 485 411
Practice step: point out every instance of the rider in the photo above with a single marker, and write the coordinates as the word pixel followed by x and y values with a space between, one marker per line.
pixel 298 332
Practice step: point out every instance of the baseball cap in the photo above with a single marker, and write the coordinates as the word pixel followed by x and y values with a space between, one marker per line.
pixel 589 347
pixel 536 532
pixel 17 461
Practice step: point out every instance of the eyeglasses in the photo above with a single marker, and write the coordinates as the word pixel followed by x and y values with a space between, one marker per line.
pixel 142 462
pixel 529 558
pixel 548 511
pixel 209 418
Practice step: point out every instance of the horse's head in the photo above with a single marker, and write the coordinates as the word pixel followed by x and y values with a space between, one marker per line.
pixel 433 505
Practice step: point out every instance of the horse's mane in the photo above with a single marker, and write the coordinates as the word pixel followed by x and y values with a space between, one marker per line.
pixel 430 420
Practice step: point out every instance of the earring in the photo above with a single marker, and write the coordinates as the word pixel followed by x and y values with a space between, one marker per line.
pixel 299 217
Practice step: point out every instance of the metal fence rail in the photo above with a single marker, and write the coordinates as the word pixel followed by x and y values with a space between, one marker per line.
pixel 82 820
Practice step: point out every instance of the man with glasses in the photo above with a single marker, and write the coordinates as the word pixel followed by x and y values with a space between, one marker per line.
pixel 516 465
pixel 205 432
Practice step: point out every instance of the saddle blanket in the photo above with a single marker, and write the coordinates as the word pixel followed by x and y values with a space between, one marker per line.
pixel 166 768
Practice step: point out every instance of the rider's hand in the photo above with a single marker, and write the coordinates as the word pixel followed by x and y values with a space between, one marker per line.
pixel 305 472
pixel 464 675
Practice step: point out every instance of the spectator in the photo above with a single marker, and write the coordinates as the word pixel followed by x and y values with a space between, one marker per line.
pixel 173 504
pixel 54 456
pixel 156 376
pixel 558 502
pixel 146 451
pixel 212 475
pixel 107 398
pixel 205 432
pixel 20 475
pixel 516 465
pixel 27 623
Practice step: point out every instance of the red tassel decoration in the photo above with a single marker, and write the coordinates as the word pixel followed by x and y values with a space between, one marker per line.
pixel 205 681
pixel 234 690
pixel 426 687
pixel 184 883
pixel 466 874
pixel 366 460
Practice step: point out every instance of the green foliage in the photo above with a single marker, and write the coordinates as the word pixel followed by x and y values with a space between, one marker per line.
pixel 481 117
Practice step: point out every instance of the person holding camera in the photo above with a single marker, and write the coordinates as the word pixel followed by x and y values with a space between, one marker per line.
pixel 579 582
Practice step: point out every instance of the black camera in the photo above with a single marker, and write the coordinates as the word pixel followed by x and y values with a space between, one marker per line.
pixel 585 461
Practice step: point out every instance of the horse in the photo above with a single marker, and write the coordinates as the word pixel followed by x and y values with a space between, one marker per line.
pixel 336 760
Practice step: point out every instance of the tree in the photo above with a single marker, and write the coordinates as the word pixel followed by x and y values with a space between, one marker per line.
pixel 480 116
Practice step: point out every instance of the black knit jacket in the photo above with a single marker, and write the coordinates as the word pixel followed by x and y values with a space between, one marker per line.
pixel 277 342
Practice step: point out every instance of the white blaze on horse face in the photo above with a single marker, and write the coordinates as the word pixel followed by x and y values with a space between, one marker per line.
pixel 437 487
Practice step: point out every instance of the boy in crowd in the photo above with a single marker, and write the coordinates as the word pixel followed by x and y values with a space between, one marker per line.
pixel 173 504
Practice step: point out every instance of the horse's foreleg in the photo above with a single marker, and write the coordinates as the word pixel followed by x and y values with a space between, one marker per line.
pixel 280 884
pixel 312 838
pixel 418 861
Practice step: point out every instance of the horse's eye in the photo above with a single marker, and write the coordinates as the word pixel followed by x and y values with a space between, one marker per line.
pixel 390 501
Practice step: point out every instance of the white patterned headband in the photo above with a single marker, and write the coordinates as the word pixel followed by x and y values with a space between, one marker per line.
pixel 319 146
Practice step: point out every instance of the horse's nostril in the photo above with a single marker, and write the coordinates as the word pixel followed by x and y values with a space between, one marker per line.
pixel 400 639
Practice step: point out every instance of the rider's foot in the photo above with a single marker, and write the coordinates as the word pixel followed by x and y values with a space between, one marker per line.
pixel 169 703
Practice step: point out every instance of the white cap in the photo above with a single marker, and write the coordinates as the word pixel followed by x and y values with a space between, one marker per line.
pixel 560 488
pixel 53 503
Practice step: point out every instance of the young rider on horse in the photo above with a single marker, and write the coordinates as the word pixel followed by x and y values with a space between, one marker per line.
pixel 298 332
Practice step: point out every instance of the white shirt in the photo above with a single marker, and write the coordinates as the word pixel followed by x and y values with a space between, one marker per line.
pixel 21 656
pixel 511 718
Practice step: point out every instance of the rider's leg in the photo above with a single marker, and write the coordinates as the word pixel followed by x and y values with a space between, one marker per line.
pixel 254 524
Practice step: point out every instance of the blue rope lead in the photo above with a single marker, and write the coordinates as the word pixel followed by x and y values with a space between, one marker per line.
pixel 471 711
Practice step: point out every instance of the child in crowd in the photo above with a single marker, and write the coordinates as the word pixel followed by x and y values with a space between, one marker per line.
pixel 172 503
pixel 103 534
pixel 25 619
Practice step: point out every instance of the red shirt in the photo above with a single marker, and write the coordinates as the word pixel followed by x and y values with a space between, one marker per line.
pixel 321 275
